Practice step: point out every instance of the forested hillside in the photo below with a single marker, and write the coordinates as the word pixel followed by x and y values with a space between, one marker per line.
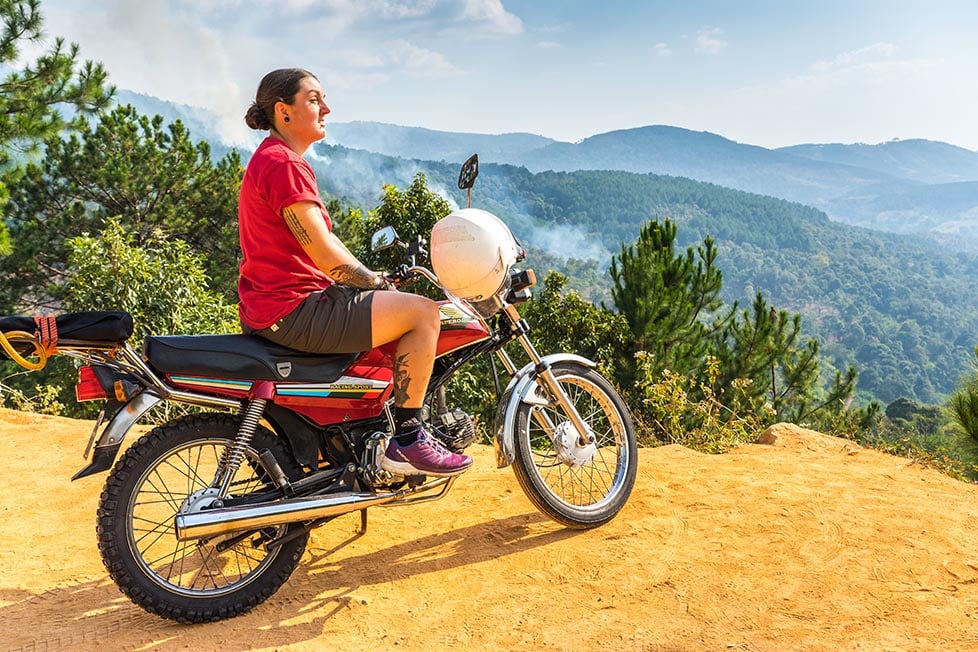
pixel 900 187
pixel 901 309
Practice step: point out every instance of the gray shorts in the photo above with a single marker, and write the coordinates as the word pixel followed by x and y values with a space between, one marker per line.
pixel 335 320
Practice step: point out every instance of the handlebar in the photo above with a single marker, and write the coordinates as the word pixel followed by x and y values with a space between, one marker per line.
pixel 403 274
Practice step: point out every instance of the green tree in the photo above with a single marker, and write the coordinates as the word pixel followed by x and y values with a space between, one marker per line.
pixel 764 347
pixel 560 320
pixel 32 99
pixel 127 165
pixel 412 212
pixel 160 282
pixel 728 364
pixel 666 299
pixel 963 404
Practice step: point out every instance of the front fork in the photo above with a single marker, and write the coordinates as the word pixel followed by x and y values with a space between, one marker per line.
pixel 545 377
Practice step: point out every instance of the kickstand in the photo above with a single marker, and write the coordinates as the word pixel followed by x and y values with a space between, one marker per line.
pixel 363 521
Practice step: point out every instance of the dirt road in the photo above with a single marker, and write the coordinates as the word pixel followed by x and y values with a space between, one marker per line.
pixel 805 543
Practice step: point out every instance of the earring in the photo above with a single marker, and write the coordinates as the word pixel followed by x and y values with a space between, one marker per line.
pixel 286 118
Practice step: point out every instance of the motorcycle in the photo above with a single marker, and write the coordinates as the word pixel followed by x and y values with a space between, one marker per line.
pixel 207 515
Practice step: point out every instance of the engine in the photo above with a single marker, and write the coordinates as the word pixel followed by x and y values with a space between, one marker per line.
pixel 454 429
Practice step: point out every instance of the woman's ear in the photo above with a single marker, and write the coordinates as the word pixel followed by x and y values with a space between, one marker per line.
pixel 282 111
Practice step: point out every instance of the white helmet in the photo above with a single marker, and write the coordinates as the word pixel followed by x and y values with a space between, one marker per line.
pixel 471 252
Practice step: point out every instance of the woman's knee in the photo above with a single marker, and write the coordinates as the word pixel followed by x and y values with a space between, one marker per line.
pixel 428 315
pixel 399 314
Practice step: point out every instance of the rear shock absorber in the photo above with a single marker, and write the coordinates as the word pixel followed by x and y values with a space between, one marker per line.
pixel 234 454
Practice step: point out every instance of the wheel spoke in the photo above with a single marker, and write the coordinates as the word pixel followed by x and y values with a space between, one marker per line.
pixel 597 479
pixel 178 481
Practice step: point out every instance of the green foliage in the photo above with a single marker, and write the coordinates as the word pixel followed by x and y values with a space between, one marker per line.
pixel 667 299
pixel 686 410
pixel 127 165
pixel 160 282
pixel 963 404
pixel 32 100
pixel 39 398
pixel 750 362
pixel 411 212
pixel 563 321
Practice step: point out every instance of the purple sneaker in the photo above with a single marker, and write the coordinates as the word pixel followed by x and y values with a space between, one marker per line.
pixel 424 457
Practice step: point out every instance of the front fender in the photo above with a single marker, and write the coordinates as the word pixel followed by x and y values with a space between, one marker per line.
pixel 522 389
pixel 115 431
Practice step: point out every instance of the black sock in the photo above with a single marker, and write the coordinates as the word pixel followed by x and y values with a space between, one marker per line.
pixel 407 424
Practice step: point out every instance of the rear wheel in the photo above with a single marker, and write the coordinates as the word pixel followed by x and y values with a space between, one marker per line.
pixel 170 470
pixel 579 485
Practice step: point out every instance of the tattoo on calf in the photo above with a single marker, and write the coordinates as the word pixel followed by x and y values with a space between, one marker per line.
pixel 401 379
pixel 299 231
pixel 357 276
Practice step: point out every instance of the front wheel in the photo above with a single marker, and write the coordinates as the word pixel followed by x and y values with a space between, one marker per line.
pixel 168 471
pixel 579 484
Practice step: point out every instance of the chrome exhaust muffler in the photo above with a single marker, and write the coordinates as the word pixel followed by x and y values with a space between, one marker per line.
pixel 225 520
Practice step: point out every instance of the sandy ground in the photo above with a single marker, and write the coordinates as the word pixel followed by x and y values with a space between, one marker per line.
pixel 804 543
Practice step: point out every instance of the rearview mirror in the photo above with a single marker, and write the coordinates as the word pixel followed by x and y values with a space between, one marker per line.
pixel 384 239
pixel 470 170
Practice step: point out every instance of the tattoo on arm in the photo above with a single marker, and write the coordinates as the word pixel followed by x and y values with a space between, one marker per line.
pixel 401 379
pixel 357 276
pixel 296 227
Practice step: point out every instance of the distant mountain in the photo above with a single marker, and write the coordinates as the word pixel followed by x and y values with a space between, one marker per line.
pixel 904 310
pixel 201 123
pixel 431 145
pixel 900 187
pixel 704 156
pixel 914 187
pixel 924 161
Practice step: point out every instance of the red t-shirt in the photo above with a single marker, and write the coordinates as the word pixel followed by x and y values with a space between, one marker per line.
pixel 275 274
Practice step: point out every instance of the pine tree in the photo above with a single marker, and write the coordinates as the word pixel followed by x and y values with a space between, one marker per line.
pixel 32 99
pixel 153 177
pixel 749 362
pixel 666 299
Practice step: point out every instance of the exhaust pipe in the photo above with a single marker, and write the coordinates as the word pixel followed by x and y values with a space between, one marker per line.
pixel 226 520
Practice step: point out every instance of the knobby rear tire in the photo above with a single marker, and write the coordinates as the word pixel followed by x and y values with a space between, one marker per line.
pixel 189 582
pixel 591 494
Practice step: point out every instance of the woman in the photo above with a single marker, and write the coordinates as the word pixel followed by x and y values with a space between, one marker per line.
pixel 299 286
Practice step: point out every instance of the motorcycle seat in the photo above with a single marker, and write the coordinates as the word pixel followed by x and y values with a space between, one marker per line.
pixel 241 357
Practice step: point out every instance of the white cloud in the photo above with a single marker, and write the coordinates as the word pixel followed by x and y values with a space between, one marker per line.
pixel 662 49
pixel 856 57
pixel 852 98
pixel 548 45
pixel 418 60
pixel 708 41
pixel 491 15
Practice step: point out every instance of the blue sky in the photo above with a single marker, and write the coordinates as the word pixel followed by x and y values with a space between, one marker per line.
pixel 766 73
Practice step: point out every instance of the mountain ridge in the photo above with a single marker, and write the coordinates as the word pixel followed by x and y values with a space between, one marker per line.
pixel 904 310
pixel 896 186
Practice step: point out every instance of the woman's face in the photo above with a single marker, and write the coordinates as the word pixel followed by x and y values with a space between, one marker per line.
pixel 307 114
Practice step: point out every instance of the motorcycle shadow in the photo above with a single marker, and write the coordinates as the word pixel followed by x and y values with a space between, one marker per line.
pixel 441 551
pixel 94 615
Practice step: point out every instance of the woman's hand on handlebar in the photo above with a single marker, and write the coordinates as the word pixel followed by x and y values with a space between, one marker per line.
pixel 397 278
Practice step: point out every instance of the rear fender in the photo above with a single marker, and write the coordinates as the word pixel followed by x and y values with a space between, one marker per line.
pixel 522 389
pixel 115 432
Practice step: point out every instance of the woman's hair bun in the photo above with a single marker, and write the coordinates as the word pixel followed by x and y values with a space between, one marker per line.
pixel 255 118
